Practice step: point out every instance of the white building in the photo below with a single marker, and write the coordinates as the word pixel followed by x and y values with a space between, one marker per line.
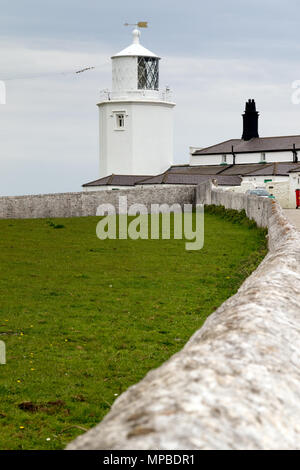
pixel 136 118
pixel 270 162
pixel 250 148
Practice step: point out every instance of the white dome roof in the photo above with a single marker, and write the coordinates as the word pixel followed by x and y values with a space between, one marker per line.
pixel 135 49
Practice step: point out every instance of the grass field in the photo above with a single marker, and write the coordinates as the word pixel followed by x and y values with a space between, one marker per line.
pixel 84 319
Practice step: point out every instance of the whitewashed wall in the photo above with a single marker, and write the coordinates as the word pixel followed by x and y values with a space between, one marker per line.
pixel 209 159
pixel 270 157
pixel 144 146
pixel 260 180
pixel 124 75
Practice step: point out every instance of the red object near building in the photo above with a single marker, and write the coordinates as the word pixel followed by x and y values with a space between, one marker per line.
pixel 297 198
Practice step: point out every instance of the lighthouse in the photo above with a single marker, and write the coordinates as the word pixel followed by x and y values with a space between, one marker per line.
pixel 136 117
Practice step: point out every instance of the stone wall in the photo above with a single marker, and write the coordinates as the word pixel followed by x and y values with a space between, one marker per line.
pixel 256 208
pixel 236 383
pixel 279 189
pixel 85 203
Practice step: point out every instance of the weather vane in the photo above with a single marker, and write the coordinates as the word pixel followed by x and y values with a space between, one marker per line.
pixel 140 24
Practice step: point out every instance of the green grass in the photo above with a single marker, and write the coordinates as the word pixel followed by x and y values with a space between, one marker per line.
pixel 84 319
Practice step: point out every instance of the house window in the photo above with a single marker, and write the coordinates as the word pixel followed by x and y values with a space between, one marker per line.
pixel 263 157
pixel 120 120
pixel 224 159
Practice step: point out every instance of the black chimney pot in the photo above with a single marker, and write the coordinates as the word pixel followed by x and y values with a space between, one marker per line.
pixel 250 121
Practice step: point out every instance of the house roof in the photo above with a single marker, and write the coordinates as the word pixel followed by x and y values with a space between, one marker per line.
pixel 257 144
pixel 196 170
pixel 226 175
pixel 117 180
pixel 243 169
pixel 295 169
pixel 168 177
pixel 191 179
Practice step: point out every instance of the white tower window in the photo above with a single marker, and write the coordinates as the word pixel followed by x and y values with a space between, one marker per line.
pixel 120 118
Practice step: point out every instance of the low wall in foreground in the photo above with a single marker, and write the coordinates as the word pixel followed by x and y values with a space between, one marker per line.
pixel 236 383
pixel 85 203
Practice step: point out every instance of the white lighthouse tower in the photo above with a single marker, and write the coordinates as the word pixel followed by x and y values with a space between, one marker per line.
pixel 136 119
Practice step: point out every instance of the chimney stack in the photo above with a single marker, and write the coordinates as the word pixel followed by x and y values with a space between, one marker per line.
pixel 250 121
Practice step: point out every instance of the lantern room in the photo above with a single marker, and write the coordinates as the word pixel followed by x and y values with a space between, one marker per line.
pixel 135 72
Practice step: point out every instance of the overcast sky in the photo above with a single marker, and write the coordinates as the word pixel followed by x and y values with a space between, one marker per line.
pixel 215 55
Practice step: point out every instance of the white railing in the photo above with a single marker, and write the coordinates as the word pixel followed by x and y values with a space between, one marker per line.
pixel 160 95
